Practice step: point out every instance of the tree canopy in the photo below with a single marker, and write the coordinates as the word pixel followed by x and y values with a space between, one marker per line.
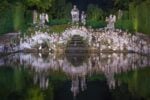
pixel 39 4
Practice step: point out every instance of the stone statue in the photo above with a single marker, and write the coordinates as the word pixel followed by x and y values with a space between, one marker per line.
pixel 83 18
pixel 111 22
pixel 35 16
pixel 75 15
pixel 43 18
pixel 120 14
pixel 46 18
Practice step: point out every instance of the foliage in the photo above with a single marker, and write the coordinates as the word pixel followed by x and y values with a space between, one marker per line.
pixel 59 28
pixel 96 24
pixel 94 13
pixel 58 22
pixel 135 17
pixel 18 17
pixel 125 25
pixel 13 17
pixel 39 4
pixel 67 10
pixel 139 15
pixel 122 4
pixel 60 10
pixel 6 18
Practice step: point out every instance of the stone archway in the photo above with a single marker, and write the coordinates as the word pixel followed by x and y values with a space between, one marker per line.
pixel 77 40
pixel 71 32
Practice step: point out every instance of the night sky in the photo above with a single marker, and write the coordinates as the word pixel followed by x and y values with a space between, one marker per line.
pixel 82 4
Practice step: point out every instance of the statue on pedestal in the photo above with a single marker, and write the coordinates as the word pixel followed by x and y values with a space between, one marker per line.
pixel 111 22
pixel 43 18
pixel 83 18
pixel 75 15
pixel 120 14
pixel 35 17
pixel 46 18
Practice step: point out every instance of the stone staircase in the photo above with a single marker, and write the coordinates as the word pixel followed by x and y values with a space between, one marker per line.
pixel 77 45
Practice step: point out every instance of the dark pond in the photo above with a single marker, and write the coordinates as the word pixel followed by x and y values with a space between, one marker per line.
pixel 74 77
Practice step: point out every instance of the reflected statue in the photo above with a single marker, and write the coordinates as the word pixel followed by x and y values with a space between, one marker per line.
pixel 75 86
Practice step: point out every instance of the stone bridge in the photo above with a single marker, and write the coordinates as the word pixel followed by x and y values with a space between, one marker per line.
pixel 101 40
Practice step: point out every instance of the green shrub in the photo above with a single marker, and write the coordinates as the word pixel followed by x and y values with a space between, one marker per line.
pixel 12 18
pixel 139 14
pixel 19 21
pixel 96 24
pixel 59 28
pixel 126 25
pixel 6 21
pixel 58 22
pixel 94 12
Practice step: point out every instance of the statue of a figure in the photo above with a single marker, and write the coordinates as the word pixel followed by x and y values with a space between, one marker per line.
pixel 43 18
pixel 46 18
pixel 120 14
pixel 111 22
pixel 83 18
pixel 35 16
pixel 75 15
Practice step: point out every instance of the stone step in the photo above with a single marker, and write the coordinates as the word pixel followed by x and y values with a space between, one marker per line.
pixel 76 45
pixel 77 42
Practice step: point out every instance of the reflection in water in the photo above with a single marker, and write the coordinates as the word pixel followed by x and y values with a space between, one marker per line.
pixel 108 64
